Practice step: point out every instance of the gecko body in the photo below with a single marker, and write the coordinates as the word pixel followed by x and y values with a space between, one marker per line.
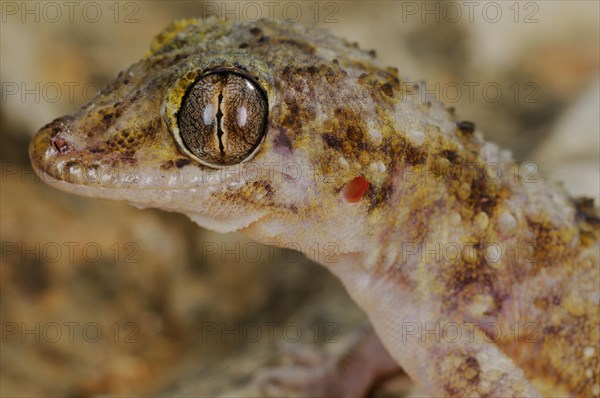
pixel 480 279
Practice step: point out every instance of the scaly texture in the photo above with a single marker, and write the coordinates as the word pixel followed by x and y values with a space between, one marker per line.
pixel 479 277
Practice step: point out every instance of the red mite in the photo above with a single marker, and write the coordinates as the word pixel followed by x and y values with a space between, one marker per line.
pixel 355 189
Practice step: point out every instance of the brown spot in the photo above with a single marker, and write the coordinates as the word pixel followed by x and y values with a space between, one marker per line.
pixel 134 97
pixel 472 370
pixel 411 154
pixel 167 165
pixel 451 155
pixel 297 113
pixel 466 279
pixel 466 127
pixel 266 187
pixel 328 73
pixel 392 71
pixel 414 155
pixel 243 45
pixel 179 163
pixel 372 53
pixel 333 141
pixel 552 330
pixel 548 248
pixel 387 89
pixel 451 391
pixel 383 194
pixel 255 31
pixel 499 299
pixel 71 163
pixel 586 211
pixel 483 197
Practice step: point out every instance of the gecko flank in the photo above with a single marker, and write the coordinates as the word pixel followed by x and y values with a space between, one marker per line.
pixel 293 135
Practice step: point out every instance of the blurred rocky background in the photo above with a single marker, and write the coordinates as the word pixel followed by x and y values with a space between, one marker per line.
pixel 101 299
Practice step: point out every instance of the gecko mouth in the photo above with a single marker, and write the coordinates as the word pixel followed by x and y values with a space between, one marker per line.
pixel 176 199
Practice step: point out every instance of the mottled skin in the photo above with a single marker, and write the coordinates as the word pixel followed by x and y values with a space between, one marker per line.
pixel 451 235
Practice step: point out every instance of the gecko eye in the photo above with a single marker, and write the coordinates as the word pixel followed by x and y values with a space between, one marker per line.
pixel 223 118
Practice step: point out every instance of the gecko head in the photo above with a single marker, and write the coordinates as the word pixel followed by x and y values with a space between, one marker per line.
pixel 231 124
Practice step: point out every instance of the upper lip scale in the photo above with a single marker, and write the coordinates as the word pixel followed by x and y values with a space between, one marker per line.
pixel 82 187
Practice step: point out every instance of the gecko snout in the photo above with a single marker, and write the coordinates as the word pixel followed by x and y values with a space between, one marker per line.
pixel 49 144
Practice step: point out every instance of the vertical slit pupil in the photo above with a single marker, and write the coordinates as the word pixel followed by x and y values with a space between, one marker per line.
pixel 219 131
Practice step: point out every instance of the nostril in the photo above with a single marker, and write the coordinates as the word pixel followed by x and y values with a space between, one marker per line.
pixel 59 143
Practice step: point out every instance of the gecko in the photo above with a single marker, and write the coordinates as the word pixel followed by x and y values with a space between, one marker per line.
pixel 479 279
